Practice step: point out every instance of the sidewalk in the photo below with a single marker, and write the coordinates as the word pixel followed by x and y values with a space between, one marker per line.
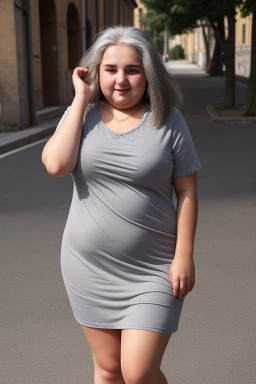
pixel 13 140
pixel 183 71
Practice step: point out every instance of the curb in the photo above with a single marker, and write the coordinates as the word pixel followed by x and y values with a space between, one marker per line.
pixel 216 118
pixel 14 140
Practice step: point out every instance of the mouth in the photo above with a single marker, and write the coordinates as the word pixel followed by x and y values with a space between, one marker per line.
pixel 121 90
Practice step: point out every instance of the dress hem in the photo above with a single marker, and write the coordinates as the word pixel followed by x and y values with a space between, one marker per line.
pixel 121 327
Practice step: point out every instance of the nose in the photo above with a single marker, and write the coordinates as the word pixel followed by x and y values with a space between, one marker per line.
pixel 121 78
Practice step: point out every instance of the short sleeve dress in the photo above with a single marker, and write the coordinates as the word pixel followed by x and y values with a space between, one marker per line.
pixel 119 239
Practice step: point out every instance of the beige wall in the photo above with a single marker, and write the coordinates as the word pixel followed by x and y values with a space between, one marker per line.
pixel 99 13
pixel 247 22
pixel 9 95
pixel 139 11
pixel 243 45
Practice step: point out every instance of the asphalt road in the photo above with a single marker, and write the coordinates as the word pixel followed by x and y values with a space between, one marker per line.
pixel 216 341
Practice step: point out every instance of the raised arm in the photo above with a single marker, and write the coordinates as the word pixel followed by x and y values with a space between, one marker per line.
pixel 182 270
pixel 61 151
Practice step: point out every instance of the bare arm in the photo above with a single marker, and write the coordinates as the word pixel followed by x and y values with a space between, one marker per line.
pixel 61 151
pixel 182 270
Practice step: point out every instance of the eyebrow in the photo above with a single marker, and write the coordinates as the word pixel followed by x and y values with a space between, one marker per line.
pixel 129 65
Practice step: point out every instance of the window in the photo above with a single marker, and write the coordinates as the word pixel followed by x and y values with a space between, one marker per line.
pixel 243 33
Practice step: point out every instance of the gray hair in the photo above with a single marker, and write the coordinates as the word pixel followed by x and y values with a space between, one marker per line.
pixel 162 91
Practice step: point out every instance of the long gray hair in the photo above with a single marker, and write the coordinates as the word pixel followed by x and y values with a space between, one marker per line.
pixel 162 91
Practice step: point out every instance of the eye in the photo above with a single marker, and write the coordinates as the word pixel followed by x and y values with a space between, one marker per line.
pixel 132 71
pixel 110 70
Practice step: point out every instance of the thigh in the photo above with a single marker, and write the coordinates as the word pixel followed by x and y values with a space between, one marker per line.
pixel 105 346
pixel 142 353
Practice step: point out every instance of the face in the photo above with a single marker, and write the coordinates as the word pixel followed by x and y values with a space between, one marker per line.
pixel 122 78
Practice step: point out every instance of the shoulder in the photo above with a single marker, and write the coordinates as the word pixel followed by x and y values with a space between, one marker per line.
pixel 175 121
pixel 174 115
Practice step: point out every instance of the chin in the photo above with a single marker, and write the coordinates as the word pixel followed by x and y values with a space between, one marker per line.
pixel 121 103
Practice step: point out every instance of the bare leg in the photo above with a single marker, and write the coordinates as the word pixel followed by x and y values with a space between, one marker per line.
pixel 106 348
pixel 141 356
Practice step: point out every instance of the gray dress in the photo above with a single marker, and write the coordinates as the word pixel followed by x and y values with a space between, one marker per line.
pixel 119 239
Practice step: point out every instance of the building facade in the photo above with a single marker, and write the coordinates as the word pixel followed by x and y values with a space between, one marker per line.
pixel 41 42
pixel 243 45
pixel 139 11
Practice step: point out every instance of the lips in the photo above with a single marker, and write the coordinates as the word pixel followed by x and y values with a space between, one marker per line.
pixel 121 90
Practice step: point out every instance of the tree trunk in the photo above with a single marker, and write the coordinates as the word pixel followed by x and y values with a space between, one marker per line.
pixel 249 106
pixel 229 93
pixel 228 49
pixel 207 46
pixel 217 59
pixel 216 68
pixel 229 61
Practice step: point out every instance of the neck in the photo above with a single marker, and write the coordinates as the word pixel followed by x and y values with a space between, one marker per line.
pixel 123 109
pixel 128 112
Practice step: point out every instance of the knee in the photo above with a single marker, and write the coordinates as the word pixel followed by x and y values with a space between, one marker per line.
pixel 136 374
pixel 109 372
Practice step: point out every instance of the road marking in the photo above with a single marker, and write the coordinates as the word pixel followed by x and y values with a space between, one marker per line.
pixel 23 148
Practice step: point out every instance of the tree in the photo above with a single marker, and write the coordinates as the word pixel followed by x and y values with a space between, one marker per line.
pixel 227 45
pixel 184 14
pixel 176 24
pixel 204 24
pixel 216 68
pixel 154 26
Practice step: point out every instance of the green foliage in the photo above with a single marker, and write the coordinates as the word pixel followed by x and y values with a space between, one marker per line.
pixel 159 43
pixel 176 53
pixel 151 18
pixel 247 7
pixel 178 16
pixel 182 15
pixel 154 25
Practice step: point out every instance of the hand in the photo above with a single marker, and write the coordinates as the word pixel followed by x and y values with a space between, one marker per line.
pixel 78 78
pixel 182 275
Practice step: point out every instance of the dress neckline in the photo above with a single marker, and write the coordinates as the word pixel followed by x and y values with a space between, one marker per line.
pixel 147 108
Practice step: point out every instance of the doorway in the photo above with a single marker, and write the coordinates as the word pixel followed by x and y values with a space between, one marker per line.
pixel 74 37
pixel 49 52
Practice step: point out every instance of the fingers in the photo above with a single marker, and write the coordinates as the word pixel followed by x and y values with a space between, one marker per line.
pixel 80 72
pixel 182 276
pixel 181 287
pixel 178 288
pixel 80 83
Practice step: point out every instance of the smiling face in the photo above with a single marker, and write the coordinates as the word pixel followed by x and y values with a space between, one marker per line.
pixel 122 78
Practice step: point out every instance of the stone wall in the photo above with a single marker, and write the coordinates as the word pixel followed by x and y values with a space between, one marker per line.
pixel 37 58
pixel 9 92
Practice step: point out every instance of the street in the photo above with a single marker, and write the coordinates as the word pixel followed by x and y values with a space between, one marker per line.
pixel 216 341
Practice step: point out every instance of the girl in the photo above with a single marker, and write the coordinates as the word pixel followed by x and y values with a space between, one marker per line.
pixel 127 253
